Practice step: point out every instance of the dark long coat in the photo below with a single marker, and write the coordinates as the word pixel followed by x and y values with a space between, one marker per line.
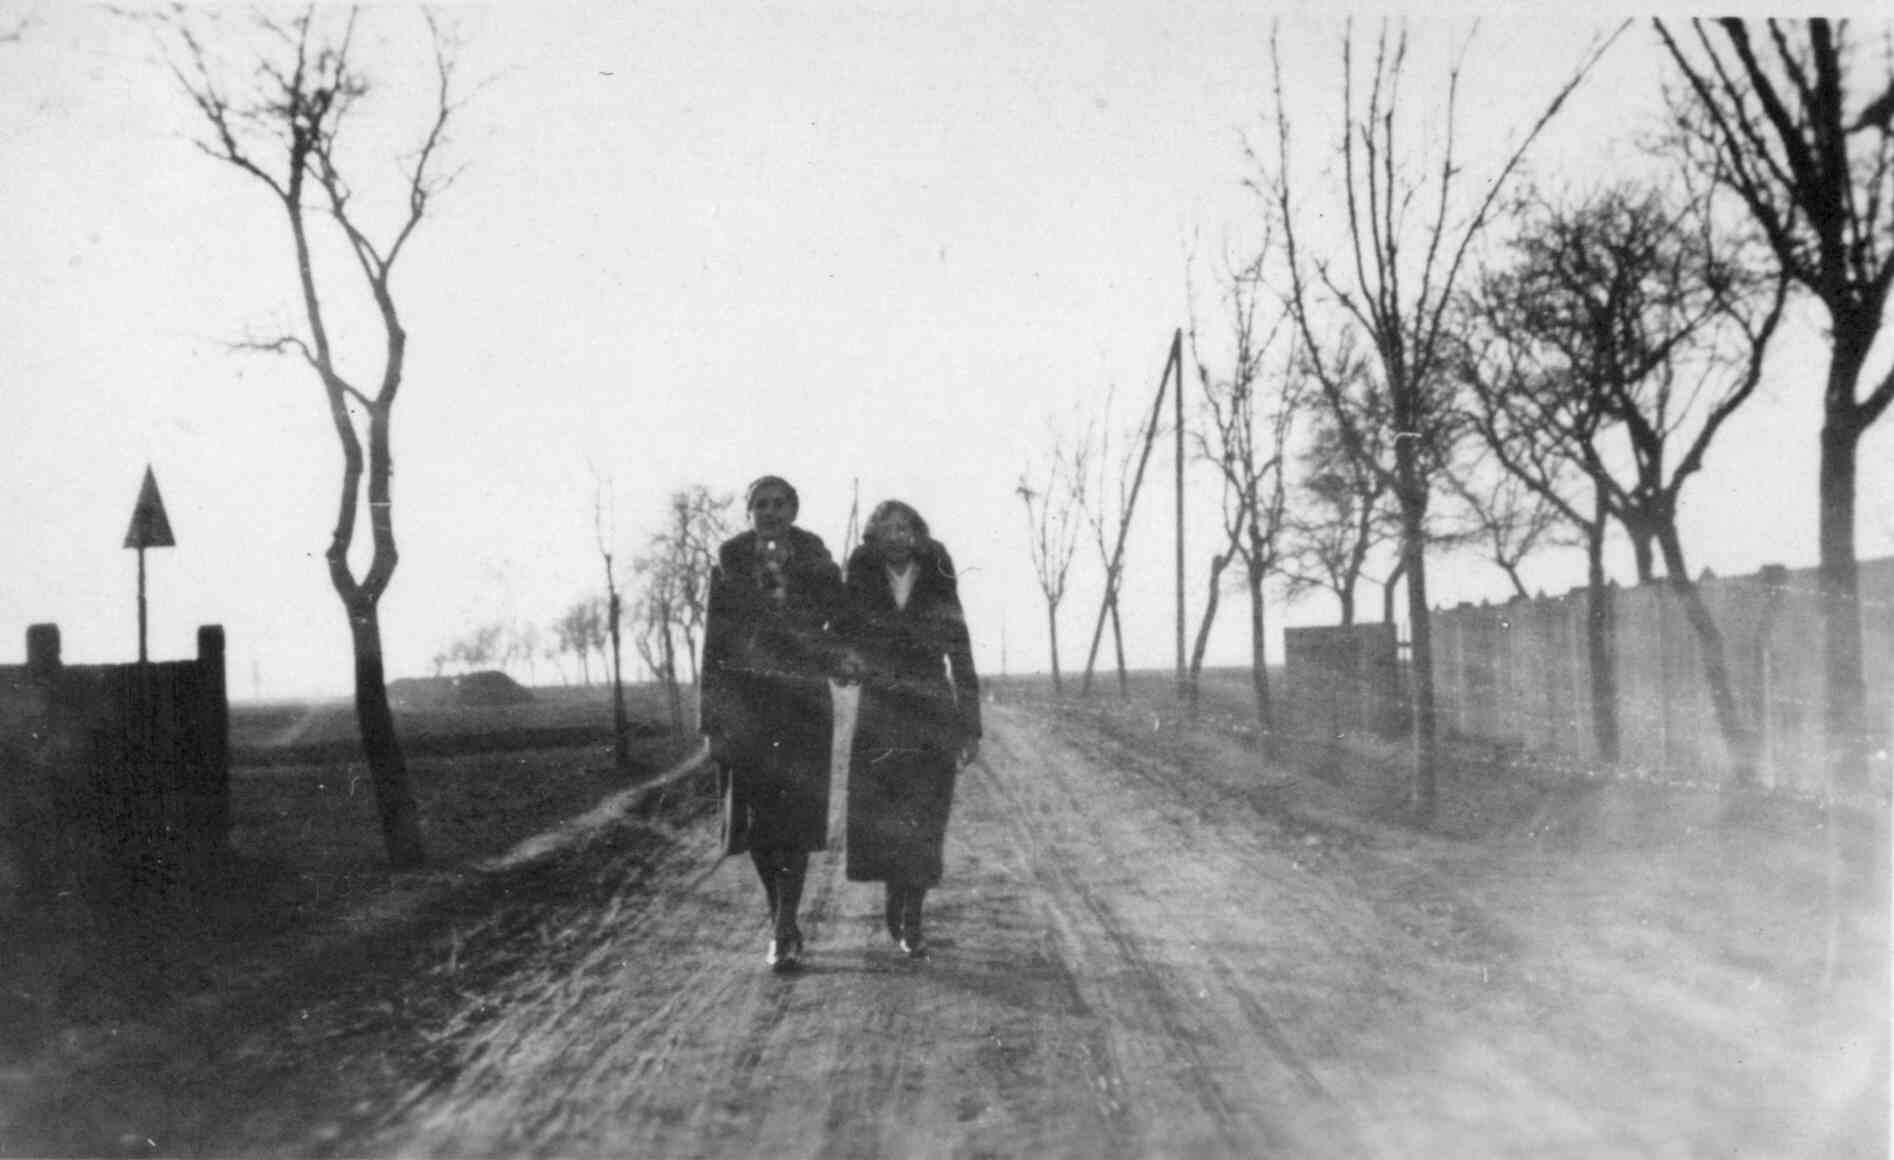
pixel 920 702
pixel 768 655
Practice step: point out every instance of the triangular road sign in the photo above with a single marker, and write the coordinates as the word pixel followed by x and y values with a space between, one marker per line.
pixel 150 527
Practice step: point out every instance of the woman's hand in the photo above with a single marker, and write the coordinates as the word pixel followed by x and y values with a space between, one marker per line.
pixel 969 752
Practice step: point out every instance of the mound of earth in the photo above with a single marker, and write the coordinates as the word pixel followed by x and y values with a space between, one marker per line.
pixel 421 692
pixel 489 687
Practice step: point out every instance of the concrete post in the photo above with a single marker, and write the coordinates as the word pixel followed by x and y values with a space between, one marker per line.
pixel 42 652
pixel 215 724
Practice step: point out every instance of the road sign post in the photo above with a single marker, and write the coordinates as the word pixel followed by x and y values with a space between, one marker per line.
pixel 150 528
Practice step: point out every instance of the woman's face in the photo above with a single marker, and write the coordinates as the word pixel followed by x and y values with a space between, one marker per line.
pixel 772 510
pixel 898 537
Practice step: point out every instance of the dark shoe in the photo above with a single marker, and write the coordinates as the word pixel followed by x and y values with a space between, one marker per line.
pixel 911 903
pixel 893 914
pixel 785 954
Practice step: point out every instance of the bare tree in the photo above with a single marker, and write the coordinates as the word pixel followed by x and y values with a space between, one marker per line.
pixel 604 531
pixel 477 649
pixel 1623 318
pixel 580 632
pixel 280 120
pixel 523 643
pixel 1536 453
pixel 1508 519
pixel 552 650
pixel 1103 496
pixel 1772 124
pixel 1340 515
pixel 1395 295
pixel 1247 440
pixel 1053 524
pixel 699 521
pixel 656 614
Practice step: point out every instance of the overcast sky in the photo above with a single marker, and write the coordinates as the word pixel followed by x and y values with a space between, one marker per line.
pixel 692 245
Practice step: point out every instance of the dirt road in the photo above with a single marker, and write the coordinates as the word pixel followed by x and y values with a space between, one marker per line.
pixel 1113 974
pixel 1145 947
pixel 1141 951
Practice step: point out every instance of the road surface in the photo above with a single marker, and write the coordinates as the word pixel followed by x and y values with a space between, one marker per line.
pixel 1140 950
pixel 1149 943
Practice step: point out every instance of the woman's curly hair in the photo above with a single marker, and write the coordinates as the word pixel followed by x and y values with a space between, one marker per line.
pixel 926 547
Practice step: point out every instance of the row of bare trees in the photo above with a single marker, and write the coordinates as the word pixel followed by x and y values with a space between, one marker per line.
pixel 673 585
pixel 659 601
pixel 1573 381
pixel 1495 366
pixel 1567 386
pixel 578 634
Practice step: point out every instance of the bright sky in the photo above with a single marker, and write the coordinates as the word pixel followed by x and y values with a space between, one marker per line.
pixel 692 245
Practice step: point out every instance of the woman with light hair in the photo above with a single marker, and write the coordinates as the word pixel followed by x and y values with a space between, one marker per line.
pixel 918 721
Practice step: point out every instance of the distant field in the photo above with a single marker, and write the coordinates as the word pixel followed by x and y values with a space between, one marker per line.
pixel 280 732
pixel 485 778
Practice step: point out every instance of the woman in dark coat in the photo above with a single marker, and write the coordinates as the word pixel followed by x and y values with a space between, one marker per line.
pixel 765 706
pixel 918 720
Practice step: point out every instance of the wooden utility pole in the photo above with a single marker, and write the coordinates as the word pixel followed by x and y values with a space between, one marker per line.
pixel 1173 365
pixel 1177 360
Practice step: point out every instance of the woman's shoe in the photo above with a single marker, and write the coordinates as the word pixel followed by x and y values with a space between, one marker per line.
pixel 785 953
pixel 914 946
pixel 892 913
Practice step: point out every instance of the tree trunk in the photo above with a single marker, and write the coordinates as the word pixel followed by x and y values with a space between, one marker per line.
pixel 1844 714
pixel 381 745
pixel 1641 551
pixel 1413 500
pixel 1599 641
pixel 1512 574
pixel 1202 644
pixel 1118 647
pixel 690 654
pixel 668 652
pixel 1347 595
pixel 1259 669
pixel 621 729
pixel 1738 738
pixel 1859 850
pixel 1387 590
pixel 1052 635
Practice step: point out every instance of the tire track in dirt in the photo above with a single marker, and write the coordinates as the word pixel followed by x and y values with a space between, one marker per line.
pixel 1060 889
pixel 1191 799
pixel 1192 1044
pixel 1069 1009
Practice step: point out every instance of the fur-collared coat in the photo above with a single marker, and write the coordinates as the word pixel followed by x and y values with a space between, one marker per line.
pixel 920 702
pixel 768 656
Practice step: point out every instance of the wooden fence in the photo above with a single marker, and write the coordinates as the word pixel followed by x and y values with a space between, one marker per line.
pixel 1344 679
pixel 1519 672
pixel 116 778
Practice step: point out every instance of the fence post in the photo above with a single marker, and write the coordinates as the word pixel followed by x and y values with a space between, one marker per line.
pixel 1773 578
pixel 42 652
pixel 214 724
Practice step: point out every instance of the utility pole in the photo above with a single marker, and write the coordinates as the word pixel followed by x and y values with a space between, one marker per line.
pixel 1173 365
pixel 1177 360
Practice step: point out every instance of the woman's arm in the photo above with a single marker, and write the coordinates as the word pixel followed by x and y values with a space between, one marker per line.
pixel 958 645
pixel 713 713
